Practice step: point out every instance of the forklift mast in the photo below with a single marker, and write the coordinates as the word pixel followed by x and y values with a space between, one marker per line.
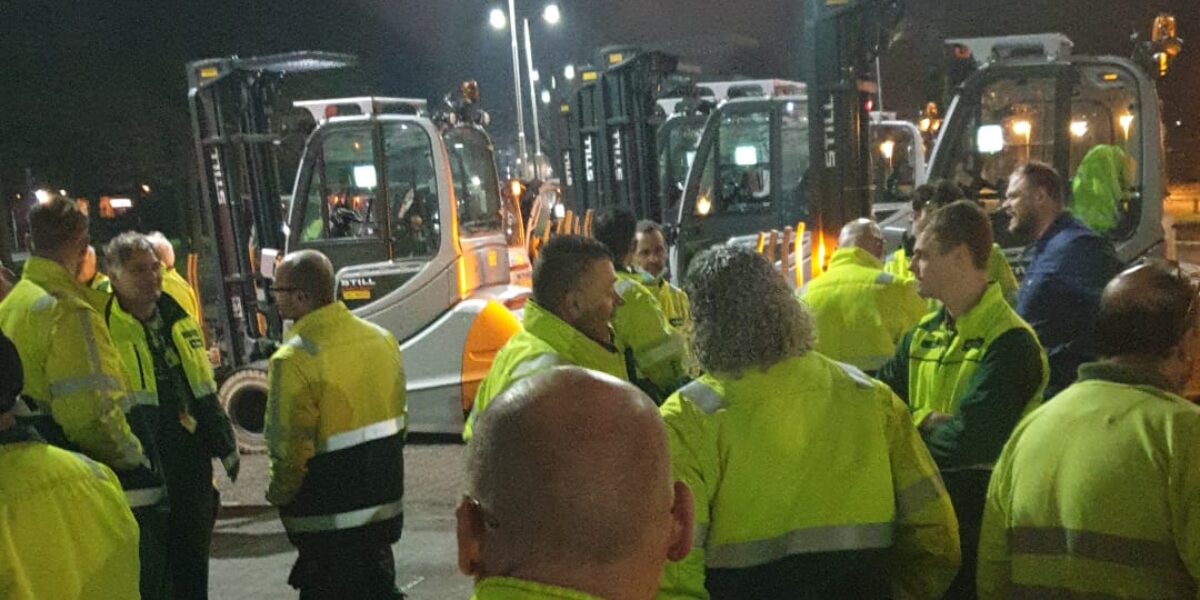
pixel 241 197
pixel 842 39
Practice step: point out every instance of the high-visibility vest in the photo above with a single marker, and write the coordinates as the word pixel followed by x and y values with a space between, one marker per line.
pixel 1096 495
pixel 545 341
pixel 511 588
pixel 808 476
pixel 74 380
pixel 335 428
pixel 861 311
pixel 657 350
pixel 67 530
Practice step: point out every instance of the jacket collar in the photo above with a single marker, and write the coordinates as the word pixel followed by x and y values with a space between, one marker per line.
pixel 317 319
pixel 1063 221
pixel 556 332
pixel 1109 371
pixel 18 434
pixel 51 276
pixel 854 256
pixel 981 316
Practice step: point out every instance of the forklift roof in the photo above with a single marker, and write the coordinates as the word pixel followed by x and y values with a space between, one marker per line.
pixel 202 72
pixel 1051 46
pixel 366 105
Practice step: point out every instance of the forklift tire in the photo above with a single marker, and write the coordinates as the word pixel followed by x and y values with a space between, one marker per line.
pixel 244 397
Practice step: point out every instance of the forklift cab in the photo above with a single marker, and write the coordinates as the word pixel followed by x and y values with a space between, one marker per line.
pixel 748 174
pixel 1094 119
pixel 677 141
pixel 897 154
pixel 406 208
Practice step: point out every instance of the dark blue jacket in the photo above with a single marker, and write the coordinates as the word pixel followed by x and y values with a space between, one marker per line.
pixel 1060 294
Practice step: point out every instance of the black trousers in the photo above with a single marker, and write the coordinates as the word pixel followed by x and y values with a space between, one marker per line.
pixel 188 472
pixel 152 525
pixel 968 492
pixel 341 573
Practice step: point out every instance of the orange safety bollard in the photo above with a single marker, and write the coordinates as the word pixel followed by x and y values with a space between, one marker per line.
pixel 785 248
pixel 587 222
pixel 772 238
pixel 798 249
pixel 759 246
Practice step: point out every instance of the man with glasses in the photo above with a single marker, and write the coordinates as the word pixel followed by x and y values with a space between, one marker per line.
pixel 335 428
pixel 1096 494
pixel 1068 267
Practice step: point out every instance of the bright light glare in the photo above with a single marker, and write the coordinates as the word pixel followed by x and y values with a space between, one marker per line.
pixel 1126 122
pixel 886 148
pixel 145 188
pixel 560 211
pixel 534 76
pixel 497 19
pixel 703 206
pixel 1022 128
pixel 117 203
pixel 745 156
pixel 1079 128
pixel 990 139
pixel 551 14
pixel 364 177
pixel 545 96
pixel 569 72
pixel 691 156
pixel 43 196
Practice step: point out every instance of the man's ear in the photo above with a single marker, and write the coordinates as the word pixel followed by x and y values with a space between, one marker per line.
pixel 470 537
pixel 570 306
pixel 683 517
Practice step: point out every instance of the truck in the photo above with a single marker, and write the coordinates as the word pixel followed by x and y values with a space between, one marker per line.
pixel 403 200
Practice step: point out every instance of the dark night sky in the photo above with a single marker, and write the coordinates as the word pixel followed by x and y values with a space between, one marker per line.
pixel 94 92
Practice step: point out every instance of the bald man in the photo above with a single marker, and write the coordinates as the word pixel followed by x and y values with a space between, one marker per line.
pixel 569 492
pixel 860 310
pixel 1096 493
pixel 335 429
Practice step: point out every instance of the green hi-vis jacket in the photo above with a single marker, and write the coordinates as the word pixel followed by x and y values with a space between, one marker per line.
pixel 67 532
pixel 335 430
pixel 672 300
pixel 810 481
pixel 509 588
pixel 1097 495
pixel 544 341
pixel 861 311
pixel 986 369
pixel 186 353
pixel 73 373
pixel 640 327
pixel 1099 187
pixel 998 271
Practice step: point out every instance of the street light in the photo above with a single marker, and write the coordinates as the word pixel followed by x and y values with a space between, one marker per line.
pixel 551 14
pixel 497 19
pixel 569 72
pixel 545 96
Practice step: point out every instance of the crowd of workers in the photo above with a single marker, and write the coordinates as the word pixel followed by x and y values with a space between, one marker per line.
pixel 906 426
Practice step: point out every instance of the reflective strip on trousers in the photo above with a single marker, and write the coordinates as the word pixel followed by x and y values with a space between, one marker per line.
pixel 1060 541
pixel 145 496
pixel 670 348
pixel 98 382
pixel 345 520
pixel 362 435
pixel 834 538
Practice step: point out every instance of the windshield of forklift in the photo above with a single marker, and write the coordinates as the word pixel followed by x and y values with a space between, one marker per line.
pixel 742 162
pixel 476 185
pixel 1092 137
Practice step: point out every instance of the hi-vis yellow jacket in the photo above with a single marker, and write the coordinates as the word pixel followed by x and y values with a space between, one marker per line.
pixel 658 351
pixel 544 341
pixel 65 531
pixel 335 429
pixel 810 481
pixel 72 371
pixel 861 311
pixel 1097 495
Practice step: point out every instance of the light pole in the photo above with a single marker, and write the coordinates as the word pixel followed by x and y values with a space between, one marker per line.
pixel 552 15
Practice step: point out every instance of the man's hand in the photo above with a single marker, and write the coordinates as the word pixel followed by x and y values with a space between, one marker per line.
pixel 233 465
pixel 933 421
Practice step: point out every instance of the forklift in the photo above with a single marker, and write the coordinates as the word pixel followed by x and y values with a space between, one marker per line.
pixel 403 200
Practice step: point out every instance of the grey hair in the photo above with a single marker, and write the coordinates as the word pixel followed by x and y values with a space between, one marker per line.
pixel 744 313
pixel 162 247
pixel 854 232
pixel 121 249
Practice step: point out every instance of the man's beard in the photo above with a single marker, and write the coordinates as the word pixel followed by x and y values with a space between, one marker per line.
pixel 1022 229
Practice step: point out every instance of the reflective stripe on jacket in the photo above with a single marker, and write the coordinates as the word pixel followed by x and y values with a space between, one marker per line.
pixel 641 327
pixel 67 532
pixel 1097 495
pixel 72 371
pixel 544 341
pixel 335 429
pixel 861 311
pixel 860 504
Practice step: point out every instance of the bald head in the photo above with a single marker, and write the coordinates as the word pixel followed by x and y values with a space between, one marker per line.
pixel 862 233
pixel 570 470
pixel 304 282
pixel 1145 310
pixel 163 248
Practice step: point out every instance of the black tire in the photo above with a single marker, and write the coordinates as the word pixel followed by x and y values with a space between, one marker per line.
pixel 244 397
